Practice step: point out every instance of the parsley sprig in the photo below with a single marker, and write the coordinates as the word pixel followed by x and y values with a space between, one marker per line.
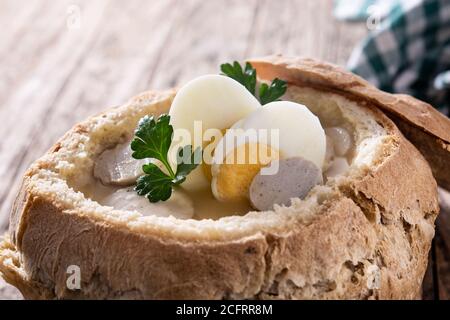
pixel 247 77
pixel 152 140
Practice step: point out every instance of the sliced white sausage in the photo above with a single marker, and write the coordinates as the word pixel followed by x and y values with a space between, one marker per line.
pixel 342 140
pixel 117 167
pixel 294 179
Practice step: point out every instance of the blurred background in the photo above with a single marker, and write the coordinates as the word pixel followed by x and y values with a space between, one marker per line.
pixel 64 60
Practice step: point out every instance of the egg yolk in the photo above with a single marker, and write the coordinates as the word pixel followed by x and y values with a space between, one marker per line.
pixel 232 178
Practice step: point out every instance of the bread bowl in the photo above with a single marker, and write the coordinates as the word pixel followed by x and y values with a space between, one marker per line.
pixel 364 234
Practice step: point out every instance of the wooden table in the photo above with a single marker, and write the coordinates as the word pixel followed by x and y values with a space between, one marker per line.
pixel 62 61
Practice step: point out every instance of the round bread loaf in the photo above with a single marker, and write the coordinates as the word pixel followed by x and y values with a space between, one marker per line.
pixel 364 234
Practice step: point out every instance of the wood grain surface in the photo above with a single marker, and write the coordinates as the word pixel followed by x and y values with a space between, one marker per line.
pixel 62 61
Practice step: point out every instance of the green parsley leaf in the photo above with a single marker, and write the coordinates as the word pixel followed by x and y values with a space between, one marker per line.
pixel 155 184
pixel 152 140
pixel 273 92
pixel 247 78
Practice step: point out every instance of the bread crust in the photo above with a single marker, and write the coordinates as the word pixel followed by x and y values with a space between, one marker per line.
pixel 422 124
pixel 371 241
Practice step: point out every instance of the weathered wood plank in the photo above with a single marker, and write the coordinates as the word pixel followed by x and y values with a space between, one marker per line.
pixel 15 19
pixel 8 292
pixel 26 110
pixel 270 34
pixel 33 32
pixel 305 28
pixel 349 35
pixel 208 34
pixel 109 76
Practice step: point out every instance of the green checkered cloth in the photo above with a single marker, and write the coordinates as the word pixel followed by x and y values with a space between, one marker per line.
pixel 409 51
